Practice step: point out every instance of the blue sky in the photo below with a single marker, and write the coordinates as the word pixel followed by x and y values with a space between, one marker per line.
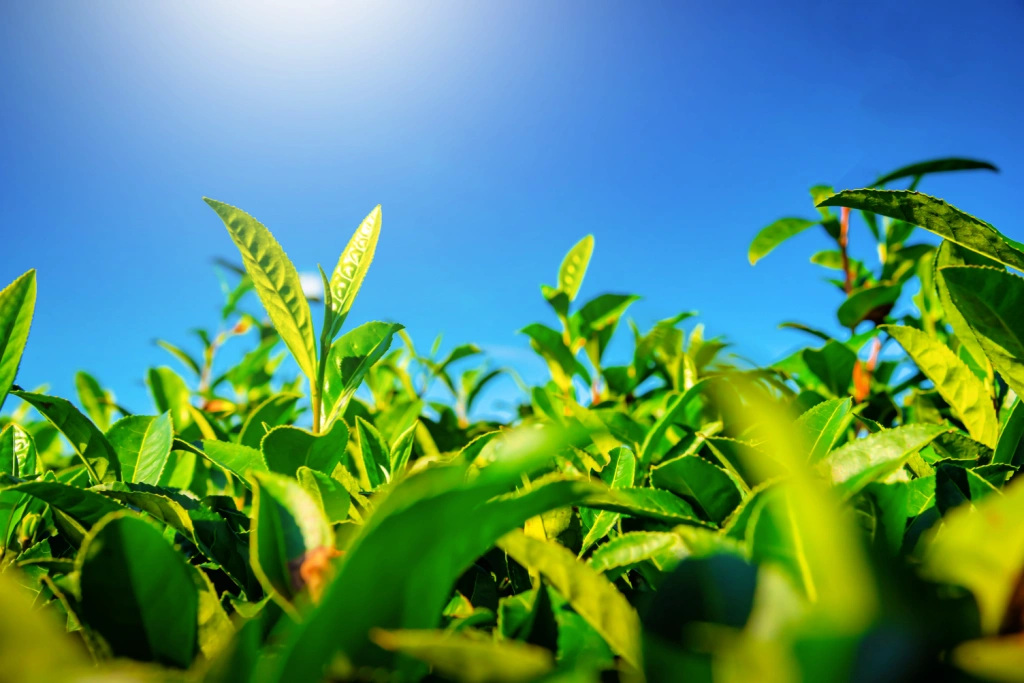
pixel 495 134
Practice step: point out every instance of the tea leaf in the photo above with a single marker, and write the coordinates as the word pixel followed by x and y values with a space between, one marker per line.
pixel 273 412
pixel 574 267
pixel 625 473
pixel 17 302
pixel 989 300
pixel 138 592
pixel 239 460
pixel 92 447
pixel 592 596
pixel 352 267
pixel 326 492
pixel 935 166
pixel 936 216
pixel 375 454
pixel 872 302
pixel 351 356
pixel 775 234
pixel 1009 439
pixel 83 505
pixel 288 529
pixel 276 281
pixel 856 464
pixel 470 660
pixel 286 449
pixel 701 482
pixel 18 456
pixel 954 381
pixel 822 425
pixel 154 451
pixel 93 400
pixel 633 548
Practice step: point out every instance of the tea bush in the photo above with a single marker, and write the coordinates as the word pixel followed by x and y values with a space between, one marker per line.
pixel 847 513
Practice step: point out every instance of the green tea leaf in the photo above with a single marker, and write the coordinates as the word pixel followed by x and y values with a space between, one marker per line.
pixel 138 592
pixel 286 449
pixel 87 507
pixel 990 301
pixel 775 234
pixel 574 267
pixel 17 302
pixel 623 477
pixel 851 467
pixel 18 456
pixel 1009 439
pixel 401 451
pixel 592 596
pixel 872 302
pixel 549 344
pixel 273 412
pixel 458 657
pixel 276 281
pixel 351 356
pixel 288 528
pixel 241 461
pixel 326 492
pixel 154 451
pixel 935 166
pixel 954 381
pixel 937 216
pixel 632 548
pixel 94 400
pixel 92 447
pixel 643 502
pixel 352 267
pixel 700 482
pixel 822 425
pixel 375 453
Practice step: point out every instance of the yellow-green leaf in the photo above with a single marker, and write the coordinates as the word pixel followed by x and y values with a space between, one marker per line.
pixel 593 596
pixel 17 301
pixel 574 267
pixel 352 266
pixel 954 381
pixel 277 283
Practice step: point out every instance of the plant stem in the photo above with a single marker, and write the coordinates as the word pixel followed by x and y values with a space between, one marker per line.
pixel 314 398
pixel 844 242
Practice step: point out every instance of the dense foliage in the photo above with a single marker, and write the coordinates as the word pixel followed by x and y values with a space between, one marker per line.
pixel 848 513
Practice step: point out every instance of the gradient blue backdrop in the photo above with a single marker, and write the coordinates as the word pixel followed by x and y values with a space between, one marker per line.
pixel 495 134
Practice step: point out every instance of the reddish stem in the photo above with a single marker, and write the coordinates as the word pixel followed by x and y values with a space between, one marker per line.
pixel 844 241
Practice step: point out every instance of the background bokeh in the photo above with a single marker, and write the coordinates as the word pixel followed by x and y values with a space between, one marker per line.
pixel 494 134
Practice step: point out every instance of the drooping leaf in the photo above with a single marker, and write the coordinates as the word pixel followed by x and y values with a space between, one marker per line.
pixel 276 281
pixel 872 302
pixel 822 425
pixel 17 302
pixel 936 216
pixel 137 592
pixel 700 482
pixel 574 267
pixel 92 447
pixel 954 381
pixel 86 507
pixel 591 595
pixel 832 365
pixel 775 234
pixel 990 301
pixel 856 464
pixel 923 168
pixel 459 657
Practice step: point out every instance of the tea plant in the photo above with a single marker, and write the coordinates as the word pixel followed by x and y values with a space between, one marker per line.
pixel 848 512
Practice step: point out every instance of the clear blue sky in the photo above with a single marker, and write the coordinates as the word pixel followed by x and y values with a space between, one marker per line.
pixel 495 134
